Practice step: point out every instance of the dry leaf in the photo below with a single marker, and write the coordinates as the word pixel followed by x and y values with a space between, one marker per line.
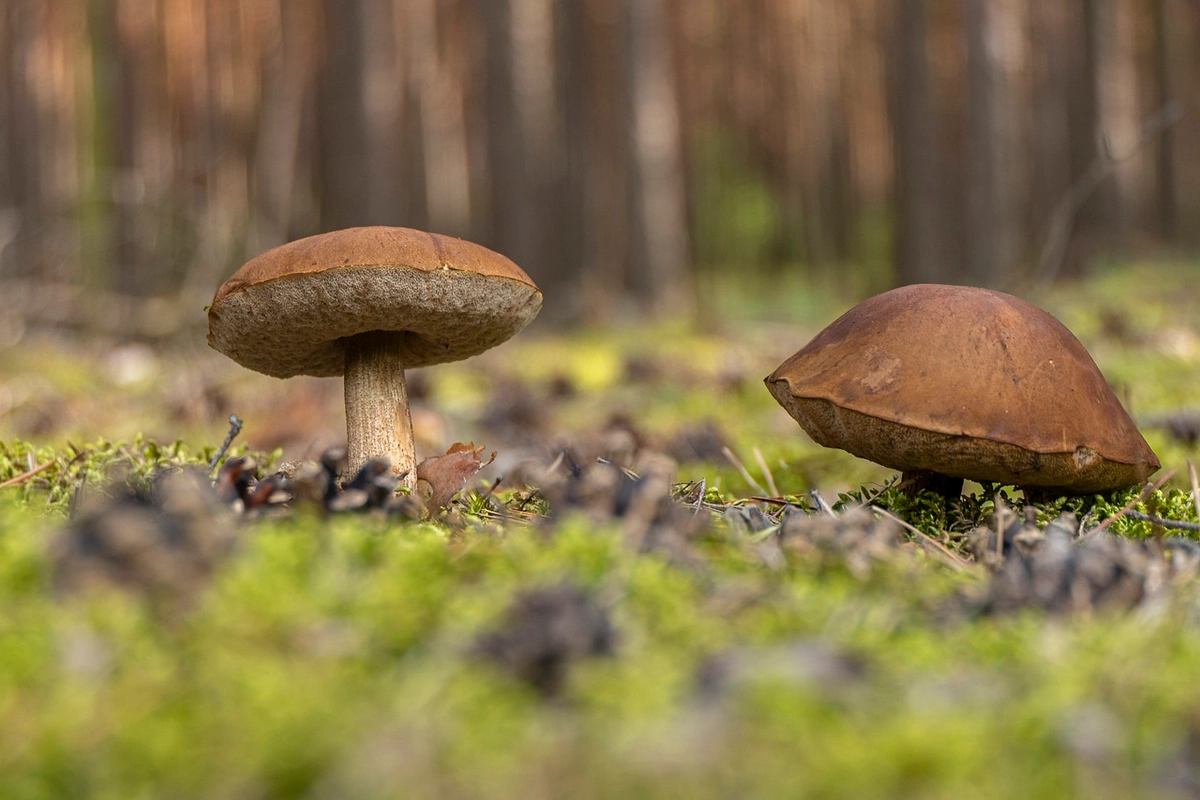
pixel 449 473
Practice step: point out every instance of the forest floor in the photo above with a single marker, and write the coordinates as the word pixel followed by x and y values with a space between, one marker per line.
pixel 659 587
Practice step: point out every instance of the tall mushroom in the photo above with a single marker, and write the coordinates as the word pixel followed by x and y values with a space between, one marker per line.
pixel 952 382
pixel 369 303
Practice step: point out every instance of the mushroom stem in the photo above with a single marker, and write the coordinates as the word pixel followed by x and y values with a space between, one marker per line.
pixel 378 424
pixel 914 481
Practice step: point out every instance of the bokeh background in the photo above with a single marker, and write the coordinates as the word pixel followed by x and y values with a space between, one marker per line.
pixel 632 155
pixel 697 185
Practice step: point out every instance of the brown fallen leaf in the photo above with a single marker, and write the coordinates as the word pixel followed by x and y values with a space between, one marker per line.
pixel 448 474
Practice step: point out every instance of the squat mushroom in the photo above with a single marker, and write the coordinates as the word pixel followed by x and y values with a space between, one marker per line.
pixel 966 383
pixel 368 303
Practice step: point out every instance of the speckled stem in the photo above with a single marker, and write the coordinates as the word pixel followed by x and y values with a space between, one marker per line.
pixel 378 424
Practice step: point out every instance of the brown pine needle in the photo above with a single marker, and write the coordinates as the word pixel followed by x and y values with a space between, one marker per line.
pixel 1146 492
pixel 24 476
pixel 932 546
pixel 1195 487
pixel 741 468
pixel 762 462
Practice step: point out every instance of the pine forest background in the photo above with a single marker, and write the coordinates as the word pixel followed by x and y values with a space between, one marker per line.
pixel 624 152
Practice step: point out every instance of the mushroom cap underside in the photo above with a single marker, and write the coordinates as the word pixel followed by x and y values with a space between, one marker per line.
pixel 287 311
pixel 972 370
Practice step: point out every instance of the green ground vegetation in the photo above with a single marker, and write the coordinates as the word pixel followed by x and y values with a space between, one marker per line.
pixel 366 655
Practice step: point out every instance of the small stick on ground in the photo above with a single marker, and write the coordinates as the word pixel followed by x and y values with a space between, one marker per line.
pixel 939 550
pixel 1175 524
pixel 821 504
pixel 741 468
pixel 1149 489
pixel 24 476
pixel 77 494
pixel 762 462
pixel 235 427
pixel 771 501
pixel 1001 521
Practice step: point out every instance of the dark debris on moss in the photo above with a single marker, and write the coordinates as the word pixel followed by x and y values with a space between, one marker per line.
pixel 544 632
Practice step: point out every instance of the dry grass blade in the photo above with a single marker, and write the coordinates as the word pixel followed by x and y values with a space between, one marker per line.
pixel 762 463
pixel 1195 487
pixel 554 465
pixel 932 546
pixel 1149 489
pixel 24 476
pixel 741 468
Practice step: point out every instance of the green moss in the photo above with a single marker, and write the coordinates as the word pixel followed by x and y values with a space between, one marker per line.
pixel 335 655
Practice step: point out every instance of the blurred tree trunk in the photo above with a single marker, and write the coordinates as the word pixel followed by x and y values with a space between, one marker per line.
pixel 820 165
pixel 213 186
pixel 1054 49
pixel 147 145
pixel 437 105
pixel 1098 225
pixel 1186 77
pixel 514 113
pixel 360 114
pixel 535 81
pixel 658 257
pixel 385 115
pixel 19 167
pixel 920 236
pixel 602 285
pixel 344 172
pixel 287 81
pixel 870 171
pixel 1167 211
pixel 127 133
pixel 578 208
pixel 993 234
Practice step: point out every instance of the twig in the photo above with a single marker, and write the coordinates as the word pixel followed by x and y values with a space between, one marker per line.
pixel 1195 486
pixel 1002 511
pixel 235 427
pixel 529 498
pixel 939 550
pixel 77 494
pixel 1062 219
pixel 771 501
pixel 1177 524
pixel 762 462
pixel 1148 490
pixel 626 471
pixel 24 476
pixel 821 504
pixel 741 468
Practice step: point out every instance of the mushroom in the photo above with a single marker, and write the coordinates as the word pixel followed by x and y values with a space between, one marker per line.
pixel 369 303
pixel 952 382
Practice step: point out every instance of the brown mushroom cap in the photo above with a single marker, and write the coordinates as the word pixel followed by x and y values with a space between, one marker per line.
pixel 964 382
pixel 287 311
